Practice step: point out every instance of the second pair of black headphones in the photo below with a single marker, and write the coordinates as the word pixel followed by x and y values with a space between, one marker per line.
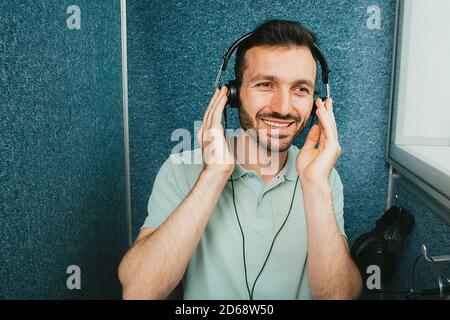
pixel 233 101
pixel 234 85
pixel 382 246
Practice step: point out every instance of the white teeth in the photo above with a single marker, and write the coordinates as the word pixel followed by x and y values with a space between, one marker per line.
pixel 277 125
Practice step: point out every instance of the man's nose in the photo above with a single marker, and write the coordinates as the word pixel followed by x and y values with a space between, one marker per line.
pixel 281 103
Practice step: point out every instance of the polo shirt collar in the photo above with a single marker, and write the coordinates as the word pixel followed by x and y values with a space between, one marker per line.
pixel 238 171
pixel 289 170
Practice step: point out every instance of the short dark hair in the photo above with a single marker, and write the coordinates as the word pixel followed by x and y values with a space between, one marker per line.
pixel 276 33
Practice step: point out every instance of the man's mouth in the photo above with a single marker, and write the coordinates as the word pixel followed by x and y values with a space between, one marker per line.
pixel 276 124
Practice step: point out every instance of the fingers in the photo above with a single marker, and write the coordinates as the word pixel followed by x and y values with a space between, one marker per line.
pixel 216 117
pixel 215 113
pixel 329 108
pixel 210 105
pixel 217 101
pixel 321 131
pixel 322 138
pixel 312 138
pixel 325 120
pixel 328 127
pixel 205 116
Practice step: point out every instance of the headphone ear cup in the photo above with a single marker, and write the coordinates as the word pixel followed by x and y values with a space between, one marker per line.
pixel 233 93
pixel 372 250
pixel 360 245
pixel 364 249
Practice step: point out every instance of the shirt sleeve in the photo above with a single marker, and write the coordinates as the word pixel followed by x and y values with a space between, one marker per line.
pixel 166 195
pixel 338 199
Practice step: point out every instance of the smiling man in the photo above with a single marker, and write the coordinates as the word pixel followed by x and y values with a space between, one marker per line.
pixel 230 228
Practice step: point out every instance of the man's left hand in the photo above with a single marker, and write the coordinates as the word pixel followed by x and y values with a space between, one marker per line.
pixel 313 164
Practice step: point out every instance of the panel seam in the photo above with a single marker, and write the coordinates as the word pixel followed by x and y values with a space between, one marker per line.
pixel 126 140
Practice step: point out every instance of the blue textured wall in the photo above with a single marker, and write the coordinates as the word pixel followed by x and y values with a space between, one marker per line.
pixel 62 185
pixel 175 49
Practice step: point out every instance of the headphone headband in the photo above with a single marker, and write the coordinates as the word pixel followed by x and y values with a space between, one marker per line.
pixel 227 56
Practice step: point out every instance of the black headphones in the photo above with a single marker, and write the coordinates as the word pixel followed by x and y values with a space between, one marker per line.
pixel 233 101
pixel 234 85
pixel 382 245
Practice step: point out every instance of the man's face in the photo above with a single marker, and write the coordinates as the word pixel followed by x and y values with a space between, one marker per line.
pixel 277 94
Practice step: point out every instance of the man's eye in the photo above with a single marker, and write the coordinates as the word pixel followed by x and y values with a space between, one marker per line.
pixel 264 84
pixel 303 90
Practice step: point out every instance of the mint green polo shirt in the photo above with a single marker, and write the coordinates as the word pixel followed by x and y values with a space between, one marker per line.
pixel 216 268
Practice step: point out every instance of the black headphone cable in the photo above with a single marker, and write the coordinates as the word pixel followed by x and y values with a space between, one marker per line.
pixel 250 293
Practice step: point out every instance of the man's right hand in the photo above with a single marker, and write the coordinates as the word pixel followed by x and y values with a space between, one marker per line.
pixel 155 265
pixel 216 155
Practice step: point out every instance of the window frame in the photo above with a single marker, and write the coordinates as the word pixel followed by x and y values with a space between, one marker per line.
pixel 419 177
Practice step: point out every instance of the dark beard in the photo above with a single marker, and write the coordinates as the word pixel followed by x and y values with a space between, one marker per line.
pixel 248 123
